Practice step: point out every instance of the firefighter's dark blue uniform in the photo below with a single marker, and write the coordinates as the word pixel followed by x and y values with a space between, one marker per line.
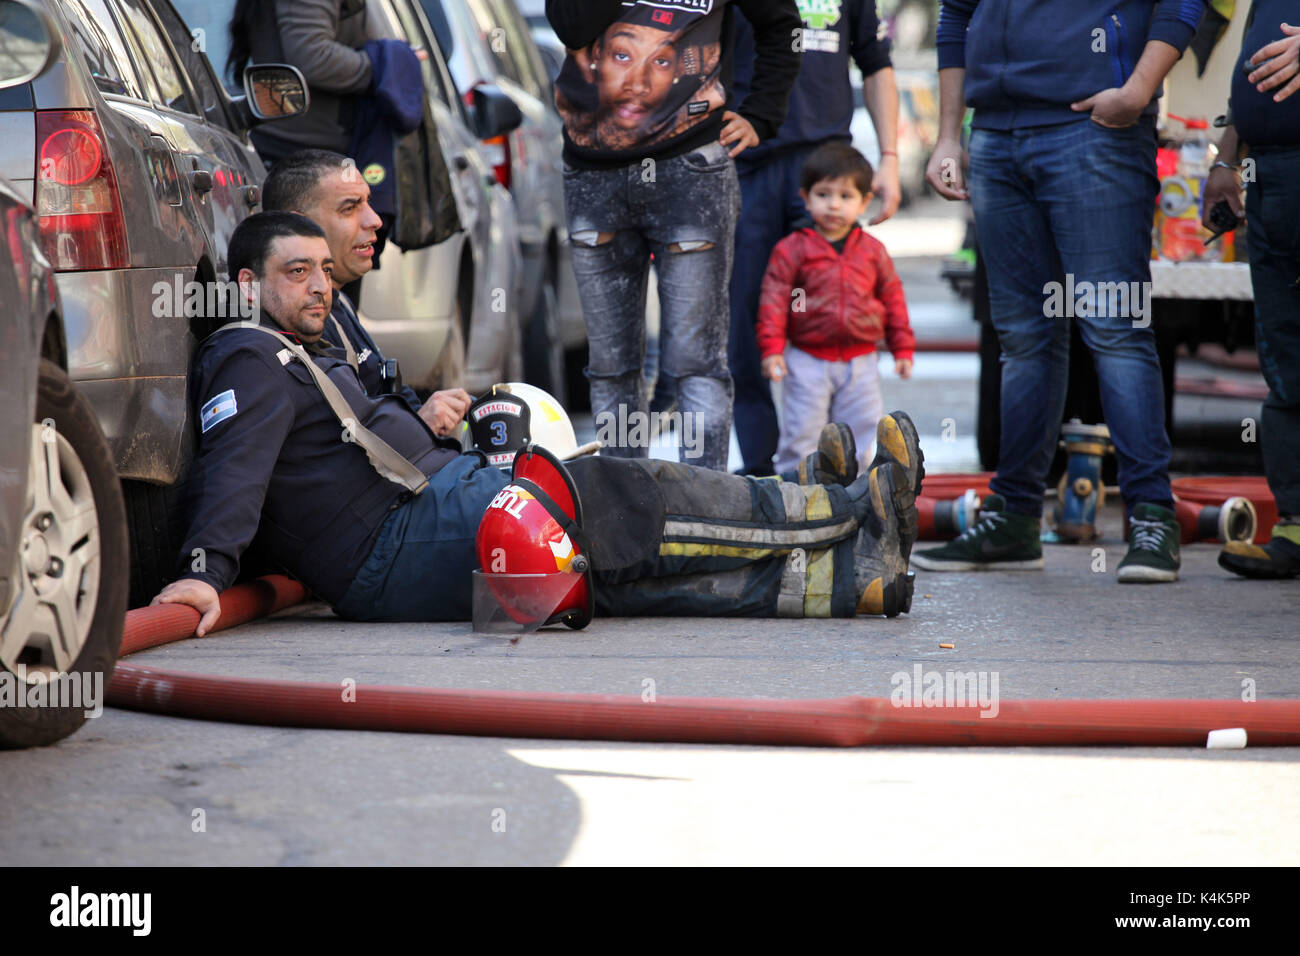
pixel 272 452
pixel 370 361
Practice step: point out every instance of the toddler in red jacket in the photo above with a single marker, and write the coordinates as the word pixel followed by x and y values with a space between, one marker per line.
pixel 830 294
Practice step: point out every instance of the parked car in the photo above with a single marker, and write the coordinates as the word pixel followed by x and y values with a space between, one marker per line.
pixel 63 535
pixel 139 167
pixel 436 310
pixel 548 44
pixel 487 42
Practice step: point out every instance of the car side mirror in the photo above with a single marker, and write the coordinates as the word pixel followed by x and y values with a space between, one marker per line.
pixel 495 113
pixel 29 42
pixel 275 91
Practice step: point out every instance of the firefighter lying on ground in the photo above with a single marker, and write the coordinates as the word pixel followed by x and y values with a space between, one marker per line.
pixel 357 498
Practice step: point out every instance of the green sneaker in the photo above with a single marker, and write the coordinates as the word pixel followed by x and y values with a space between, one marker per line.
pixel 1153 536
pixel 1278 559
pixel 1000 540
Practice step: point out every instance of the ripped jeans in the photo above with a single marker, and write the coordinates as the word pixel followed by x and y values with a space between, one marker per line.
pixel 684 211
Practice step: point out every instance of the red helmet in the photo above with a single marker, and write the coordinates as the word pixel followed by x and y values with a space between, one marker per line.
pixel 533 566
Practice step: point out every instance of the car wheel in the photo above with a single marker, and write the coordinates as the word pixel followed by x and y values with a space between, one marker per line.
pixel 64 629
pixel 151 518
pixel 543 347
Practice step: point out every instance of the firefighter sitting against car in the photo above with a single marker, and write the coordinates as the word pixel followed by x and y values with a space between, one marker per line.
pixel 358 499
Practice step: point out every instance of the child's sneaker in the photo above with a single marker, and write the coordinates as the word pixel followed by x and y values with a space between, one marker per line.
pixel 1280 558
pixel 1153 537
pixel 879 568
pixel 1000 540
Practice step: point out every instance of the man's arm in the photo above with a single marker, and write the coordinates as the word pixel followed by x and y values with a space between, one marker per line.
pixel 1224 185
pixel 777 43
pixel 946 171
pixel 1172 25
pixel 245 416
pixel 308 29
pixel 578 22
pixel 880 96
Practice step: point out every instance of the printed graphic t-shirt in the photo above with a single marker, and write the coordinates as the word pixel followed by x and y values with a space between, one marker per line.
pixel 653 77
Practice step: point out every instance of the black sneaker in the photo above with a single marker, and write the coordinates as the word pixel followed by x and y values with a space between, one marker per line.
pixel 1278 559
pixel 1153 537
pixel 880 570
pixel 897 441
pixel 1000 540
pixel 835 462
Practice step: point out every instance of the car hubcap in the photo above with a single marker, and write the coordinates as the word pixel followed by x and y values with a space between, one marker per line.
pixel 58 564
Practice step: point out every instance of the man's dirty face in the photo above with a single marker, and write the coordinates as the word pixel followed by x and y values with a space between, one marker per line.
pixel 635 70
pixel 341 207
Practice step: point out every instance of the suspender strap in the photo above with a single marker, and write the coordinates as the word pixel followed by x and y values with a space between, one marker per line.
pixel 347 345
pixel 383 457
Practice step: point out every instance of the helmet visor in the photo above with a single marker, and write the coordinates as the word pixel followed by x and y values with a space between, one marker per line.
pixel 521 603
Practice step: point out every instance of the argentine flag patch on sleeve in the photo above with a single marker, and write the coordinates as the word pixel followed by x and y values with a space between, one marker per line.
pixel 218 408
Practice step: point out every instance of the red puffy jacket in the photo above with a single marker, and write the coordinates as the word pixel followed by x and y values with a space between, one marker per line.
pixel 834 306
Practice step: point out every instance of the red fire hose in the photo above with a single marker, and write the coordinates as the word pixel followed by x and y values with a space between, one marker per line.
pixel 842 722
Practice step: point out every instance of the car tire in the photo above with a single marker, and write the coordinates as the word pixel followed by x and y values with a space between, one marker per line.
pixel 71 461
pixel 152 513
pixel 543 348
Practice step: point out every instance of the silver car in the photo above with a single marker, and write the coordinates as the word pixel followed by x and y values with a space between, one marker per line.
pixel 442 311
pixel 488 42
pixel 63 537
pixel 139 168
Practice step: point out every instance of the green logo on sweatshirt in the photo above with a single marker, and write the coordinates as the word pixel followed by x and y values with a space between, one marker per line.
pixel 819 14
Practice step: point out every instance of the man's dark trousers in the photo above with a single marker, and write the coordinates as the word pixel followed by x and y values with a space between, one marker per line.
pixel 770 207
pixel 1273 212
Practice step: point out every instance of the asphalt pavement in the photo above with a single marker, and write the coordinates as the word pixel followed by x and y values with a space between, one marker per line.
pixel 132 788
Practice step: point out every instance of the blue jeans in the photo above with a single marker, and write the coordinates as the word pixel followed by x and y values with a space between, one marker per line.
pixel 1273 211
pixel 421 564
pixel 1071 204
pixel 770 206
pixel 683 210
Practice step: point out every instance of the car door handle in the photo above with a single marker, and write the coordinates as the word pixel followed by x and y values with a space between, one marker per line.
pixel 201 181
pixel 252 195
pixel 461 162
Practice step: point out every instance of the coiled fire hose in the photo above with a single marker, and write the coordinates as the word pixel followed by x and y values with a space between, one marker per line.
pixel 841 722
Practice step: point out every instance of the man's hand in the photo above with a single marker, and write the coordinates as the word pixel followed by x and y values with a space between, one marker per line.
pixel 946 171
pixel 1115 108
pixel 1221 185
pixel 885 185
pixel 737 133
pixel 1278 62
pixel 444 410
pixel 903 368
pixel 199 595
pixel 774 367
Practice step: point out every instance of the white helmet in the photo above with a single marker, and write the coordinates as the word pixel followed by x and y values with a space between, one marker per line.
pixel 513 415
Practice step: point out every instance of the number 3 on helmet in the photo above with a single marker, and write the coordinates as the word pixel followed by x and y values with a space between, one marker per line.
pixel 534 568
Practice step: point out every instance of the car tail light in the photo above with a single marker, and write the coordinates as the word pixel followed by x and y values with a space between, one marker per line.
pixel 82 226
pixel 498 152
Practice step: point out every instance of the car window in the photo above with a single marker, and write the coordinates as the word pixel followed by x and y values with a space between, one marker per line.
pixel 95 35
pixel 421 37
pixel 208 22
pixel 520 47
pixel 498 36
pixel 189 49
pixel 172 91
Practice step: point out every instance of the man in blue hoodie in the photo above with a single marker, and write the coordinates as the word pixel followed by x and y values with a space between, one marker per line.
pixel 1062 169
